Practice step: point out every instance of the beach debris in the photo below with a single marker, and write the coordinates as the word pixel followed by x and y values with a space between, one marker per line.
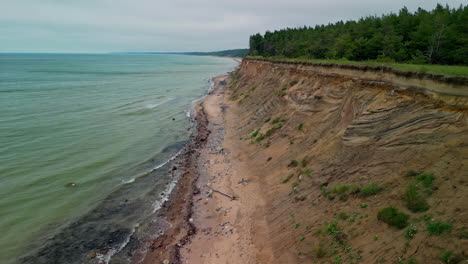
pixel 205 255
pixel 222 193
pixel 166 261
pixel 243 181
pixel 91 255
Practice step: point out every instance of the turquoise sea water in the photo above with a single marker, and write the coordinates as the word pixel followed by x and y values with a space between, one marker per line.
pixel 78 129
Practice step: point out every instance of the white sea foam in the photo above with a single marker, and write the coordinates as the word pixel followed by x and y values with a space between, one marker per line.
pixel 108 256
pixel 127 181
pixel 152 106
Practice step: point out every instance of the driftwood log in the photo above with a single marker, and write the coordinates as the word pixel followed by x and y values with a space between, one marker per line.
pixel 232 197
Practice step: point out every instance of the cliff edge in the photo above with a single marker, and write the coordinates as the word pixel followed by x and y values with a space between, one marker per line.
pixel 354 165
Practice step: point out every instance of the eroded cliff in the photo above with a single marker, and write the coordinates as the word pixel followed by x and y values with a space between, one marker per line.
pixel 332 150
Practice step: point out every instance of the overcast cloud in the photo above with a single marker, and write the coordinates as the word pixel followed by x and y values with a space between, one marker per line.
pixel 170 25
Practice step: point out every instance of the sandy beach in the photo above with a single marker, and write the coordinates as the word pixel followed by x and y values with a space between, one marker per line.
pixel 211 222
pixel 227 225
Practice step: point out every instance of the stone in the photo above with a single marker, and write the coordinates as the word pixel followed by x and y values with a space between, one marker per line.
pixel 91 255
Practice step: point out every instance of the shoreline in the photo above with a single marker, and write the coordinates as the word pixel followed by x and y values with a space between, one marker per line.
pixel 210 222
pixel 178 209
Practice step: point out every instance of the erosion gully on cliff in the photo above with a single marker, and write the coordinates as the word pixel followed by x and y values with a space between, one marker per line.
pixel 355 168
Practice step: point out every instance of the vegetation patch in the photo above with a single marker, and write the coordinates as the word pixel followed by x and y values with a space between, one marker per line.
pixel 393 217
pixel 463 234
pixel 342 191
pixel 370 190
pixel 278 120
pixel 333 228
pixel 449 257
pixel 438 228
pixel 255 133
pixel 343 216
pixel 287 178
pixel 410 232
pixel 293 163
pixel 260 137
pixel 417 192
pixel 307 172
pixel 426 180
pixel 415 200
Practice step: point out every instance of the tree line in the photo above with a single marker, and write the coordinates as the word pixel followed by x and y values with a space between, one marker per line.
pixel 439 36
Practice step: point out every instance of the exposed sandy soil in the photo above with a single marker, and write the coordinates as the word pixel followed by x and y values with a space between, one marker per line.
pixel 349 132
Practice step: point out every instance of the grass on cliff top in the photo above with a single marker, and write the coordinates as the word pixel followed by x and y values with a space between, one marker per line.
pixel 453 70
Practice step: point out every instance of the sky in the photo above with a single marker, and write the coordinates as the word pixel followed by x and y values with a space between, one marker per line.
pixel 96 26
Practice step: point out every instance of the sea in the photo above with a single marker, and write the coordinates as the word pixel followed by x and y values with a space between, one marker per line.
pixel 84 141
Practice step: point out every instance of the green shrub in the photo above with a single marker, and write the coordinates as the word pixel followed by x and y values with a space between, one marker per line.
pixel 333 228
pixel 393 217
pixel 438 228
pixel 340 189
pixel 276 120
pixel 363 205
pixel 463 234
pixel 415 200
pixel 299 127
pixel 343 216
pixel 410 232
pixel 426 179
pixel 293 163
pixel 449 257
pixel 369 190
pixel 304 162
pixel 294 186
pixel 327 193
pixel 287 178
pixel 307 172
pixel 254 134
pixel 260 137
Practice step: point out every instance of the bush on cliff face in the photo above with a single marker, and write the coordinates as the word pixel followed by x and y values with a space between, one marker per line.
pixel 415 201
pixel 370 190
pixel 393 217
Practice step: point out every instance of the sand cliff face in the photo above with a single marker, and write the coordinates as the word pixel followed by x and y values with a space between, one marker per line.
pixel 315 138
